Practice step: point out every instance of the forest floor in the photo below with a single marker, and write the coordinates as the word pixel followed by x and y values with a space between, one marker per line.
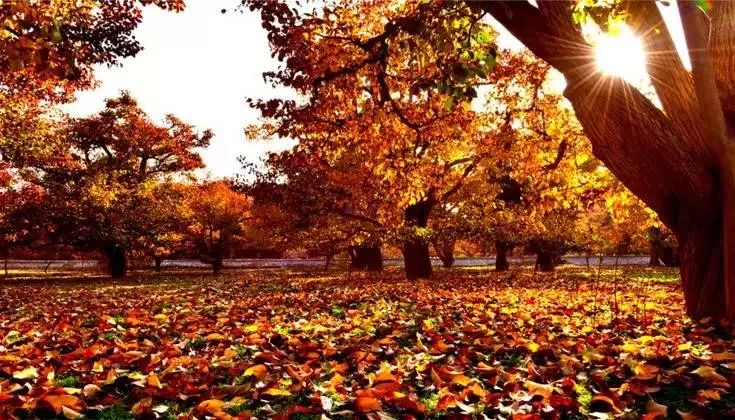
pixel 468 343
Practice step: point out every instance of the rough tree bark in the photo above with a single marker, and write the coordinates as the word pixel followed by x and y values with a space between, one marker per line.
pixel 501 256
pixel 416 250
pixel 679 160
pixel 217 264
pixel 545 261
pixel 653 259
pixel 445 251
pixel 116 260
pixel 366 257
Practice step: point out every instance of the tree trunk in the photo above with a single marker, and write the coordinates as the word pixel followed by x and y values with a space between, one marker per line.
pixel 702 265
pixel 158 261
pixel 680 160
pixel 501 256
pixel 545 261
pixel 116 260
pixel 653 259
pixel 416 255
pixel 366 257
pixel 217 264
pixel 445 251
pixel 417 259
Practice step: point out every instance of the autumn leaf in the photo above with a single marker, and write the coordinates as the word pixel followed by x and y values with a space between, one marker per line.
pixel 210 406
pixel 709 373
pixel 367 404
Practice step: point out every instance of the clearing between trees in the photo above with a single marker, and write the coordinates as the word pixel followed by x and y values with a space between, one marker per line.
pixel 285 343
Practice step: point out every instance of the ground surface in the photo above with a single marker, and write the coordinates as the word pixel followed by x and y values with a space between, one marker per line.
pixel 276 343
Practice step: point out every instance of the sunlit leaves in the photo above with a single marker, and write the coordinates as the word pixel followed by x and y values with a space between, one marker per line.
pixel 273 344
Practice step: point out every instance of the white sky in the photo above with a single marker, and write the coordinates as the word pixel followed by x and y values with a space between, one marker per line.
pixel 200 65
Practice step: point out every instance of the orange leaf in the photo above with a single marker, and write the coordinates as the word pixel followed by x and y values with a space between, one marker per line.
pixel 210 406
pixel 258 371
pixel 367 404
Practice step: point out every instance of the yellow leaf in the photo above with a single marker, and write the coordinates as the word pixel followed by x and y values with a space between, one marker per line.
pixel 709 373
pixel 27 373
pixel 630 348
pixel 646 371
pixel 215 337
pixel 685 346
pixel 277 392
pixel 250 328
pixel 258 371
pixel 462 380
pixel 210 406
pixel 532 347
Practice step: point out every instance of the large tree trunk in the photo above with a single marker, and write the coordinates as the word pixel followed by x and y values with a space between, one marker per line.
pixel 416 256
pixel 702 268
pixel 501 256
pixel 545 261
pixel 445 251
pixel 679 160
pixel 116 260
pixel 217 264
pixel 364 257
pixel 417 259
pixel 653 259
pixel 157 261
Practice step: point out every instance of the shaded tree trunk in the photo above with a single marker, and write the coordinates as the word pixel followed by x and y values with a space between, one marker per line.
pixel 545 261
pixel 680 160
pixel 117 263
pixel 364 257
pixel 653 259
pixel 445 251
pixel 217 264
pixel 416 255
pixel 501 256
pixel 157 261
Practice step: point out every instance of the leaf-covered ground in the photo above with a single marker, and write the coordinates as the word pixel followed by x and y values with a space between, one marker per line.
pixel 283 344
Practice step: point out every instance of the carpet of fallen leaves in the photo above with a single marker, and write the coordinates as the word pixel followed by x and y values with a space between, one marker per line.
pixel 297 345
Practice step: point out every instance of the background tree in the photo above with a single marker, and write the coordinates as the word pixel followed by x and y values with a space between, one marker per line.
pixel 106 167
pixel 218 214
pixel 166 221
pixel 366 96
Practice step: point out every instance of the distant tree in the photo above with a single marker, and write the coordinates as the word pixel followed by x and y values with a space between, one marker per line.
pixel 20 206
pixel 218 214
pixel 48 50
pixel 166 222
pixel 368 117
pixel 104 170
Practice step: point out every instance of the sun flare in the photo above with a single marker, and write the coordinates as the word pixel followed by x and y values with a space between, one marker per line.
pixel 621 54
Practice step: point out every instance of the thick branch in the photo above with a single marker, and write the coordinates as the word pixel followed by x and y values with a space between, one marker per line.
pixel 559 156
pixel 672 81
pixel 721 45
pixel 635 140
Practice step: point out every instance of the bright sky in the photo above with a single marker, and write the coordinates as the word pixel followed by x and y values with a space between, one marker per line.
pixel 199 65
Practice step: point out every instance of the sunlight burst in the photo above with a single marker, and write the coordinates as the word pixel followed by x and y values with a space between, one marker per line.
pixel 621 54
